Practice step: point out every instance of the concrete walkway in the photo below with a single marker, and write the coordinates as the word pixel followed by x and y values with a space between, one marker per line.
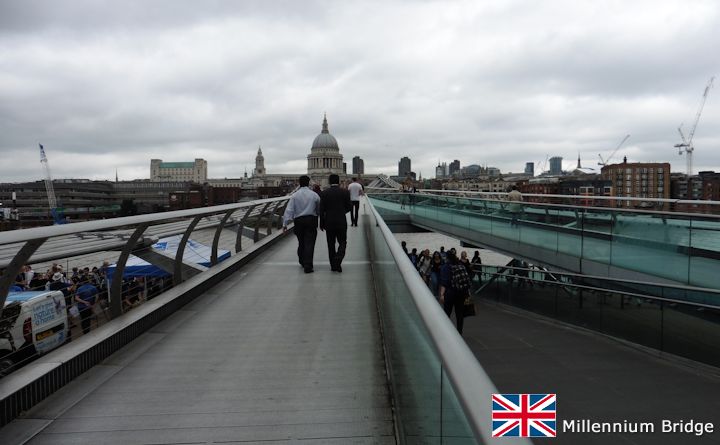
pixel 272 355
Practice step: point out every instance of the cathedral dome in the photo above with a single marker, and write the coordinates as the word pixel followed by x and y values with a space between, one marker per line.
pixel 325 139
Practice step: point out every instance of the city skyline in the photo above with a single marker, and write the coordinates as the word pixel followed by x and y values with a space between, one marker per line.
pixel 112 86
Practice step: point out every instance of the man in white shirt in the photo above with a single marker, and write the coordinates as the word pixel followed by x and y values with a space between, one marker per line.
pixel 303 210
pixel 356 191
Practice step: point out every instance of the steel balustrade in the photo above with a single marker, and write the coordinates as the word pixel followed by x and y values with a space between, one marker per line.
pixel 21 246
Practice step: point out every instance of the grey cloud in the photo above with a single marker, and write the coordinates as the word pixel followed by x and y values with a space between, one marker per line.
pixel 496 84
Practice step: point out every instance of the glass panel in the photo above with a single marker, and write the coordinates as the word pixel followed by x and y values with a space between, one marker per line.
pixel 635 319
pixel 705 253
pixel 646 244
pixel 692 332
pixel 424 404
pixel 454 427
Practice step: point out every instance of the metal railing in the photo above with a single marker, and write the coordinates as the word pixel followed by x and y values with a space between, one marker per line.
pixel 680 320
pixel 440 389
pixel 120 286
pixel 674 246
pixel 631 203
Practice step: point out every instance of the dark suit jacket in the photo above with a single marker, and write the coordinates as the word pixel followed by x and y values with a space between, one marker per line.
pixel 334 204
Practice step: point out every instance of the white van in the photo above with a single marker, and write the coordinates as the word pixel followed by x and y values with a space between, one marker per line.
pixel 31 323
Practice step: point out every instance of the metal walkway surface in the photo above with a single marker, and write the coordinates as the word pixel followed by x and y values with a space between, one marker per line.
pixel 270 355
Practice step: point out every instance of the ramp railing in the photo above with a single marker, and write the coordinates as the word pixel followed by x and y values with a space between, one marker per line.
pixel 441 392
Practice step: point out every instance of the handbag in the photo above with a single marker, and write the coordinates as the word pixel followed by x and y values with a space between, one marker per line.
pixel 469 307
pixel 74 311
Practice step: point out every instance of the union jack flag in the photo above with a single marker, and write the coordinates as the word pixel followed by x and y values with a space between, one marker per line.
pixel 524 415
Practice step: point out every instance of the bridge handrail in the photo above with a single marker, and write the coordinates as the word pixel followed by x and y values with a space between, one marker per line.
pixel 487 270
pixel 501 198
pixel 21 235
pixel 582 197
pixel 467 377
pixel 28 241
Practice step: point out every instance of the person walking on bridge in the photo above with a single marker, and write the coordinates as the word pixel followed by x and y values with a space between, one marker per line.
pixel 303 210
pixel 356 191
pixel 334 204
pixel 515 207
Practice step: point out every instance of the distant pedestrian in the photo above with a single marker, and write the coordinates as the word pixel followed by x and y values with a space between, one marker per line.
pixel 403 244
pixel 454 288
pixel 435 271
pixel 303 209
pixel 356 191
pixel 476 264
pixel 413 257
pixel 334 204
pixel 515 207
pixel 424 264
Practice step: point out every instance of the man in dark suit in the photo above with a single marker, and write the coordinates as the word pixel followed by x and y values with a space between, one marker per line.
pixel 334 204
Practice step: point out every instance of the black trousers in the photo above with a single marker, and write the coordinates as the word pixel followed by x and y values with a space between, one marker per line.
pixel 336 235
pixel 455 300
pixel 354 212
pixel 85 318
pixel 306 232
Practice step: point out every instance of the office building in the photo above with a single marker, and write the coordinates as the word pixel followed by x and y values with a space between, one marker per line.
pixel 404 167
pixel 358 166
pixel 195 171
pixel 454 167
pixel 556 165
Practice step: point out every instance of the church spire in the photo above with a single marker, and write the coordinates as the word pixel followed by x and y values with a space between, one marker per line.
pixel 579 161
pixel 325 125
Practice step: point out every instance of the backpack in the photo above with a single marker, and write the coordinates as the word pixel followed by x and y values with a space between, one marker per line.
pixel 459 278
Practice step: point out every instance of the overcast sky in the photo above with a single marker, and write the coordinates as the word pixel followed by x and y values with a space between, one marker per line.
pixel 107 85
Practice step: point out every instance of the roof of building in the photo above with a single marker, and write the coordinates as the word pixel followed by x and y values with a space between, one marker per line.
pixel 325 139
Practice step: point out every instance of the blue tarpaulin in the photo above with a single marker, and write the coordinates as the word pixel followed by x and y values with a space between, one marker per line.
pixel 194 253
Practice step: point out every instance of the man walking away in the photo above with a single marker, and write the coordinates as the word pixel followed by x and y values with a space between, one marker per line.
pixel 303 209
pixel 334 204
pixel 515 207
pixel 356 191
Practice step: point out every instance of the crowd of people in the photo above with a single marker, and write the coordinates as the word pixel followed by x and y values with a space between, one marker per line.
pixel 448 276
pixel 85 290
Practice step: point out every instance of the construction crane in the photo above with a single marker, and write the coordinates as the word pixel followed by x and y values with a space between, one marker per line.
pixel 56 213
pixel 687 144
pixel 607 161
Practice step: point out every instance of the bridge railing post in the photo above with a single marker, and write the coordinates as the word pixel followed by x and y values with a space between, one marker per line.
pixel 115 290
pixel 241 227
pixel 216 238
pixel 178 275
pixel 13 269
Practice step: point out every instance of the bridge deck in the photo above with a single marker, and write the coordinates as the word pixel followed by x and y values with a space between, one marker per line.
pixel 272 354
